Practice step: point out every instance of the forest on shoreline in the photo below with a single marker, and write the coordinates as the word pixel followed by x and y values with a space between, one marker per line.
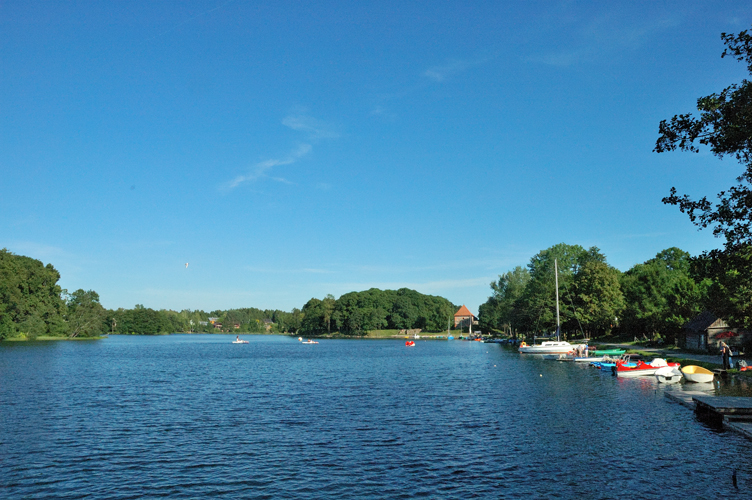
pixel 33 305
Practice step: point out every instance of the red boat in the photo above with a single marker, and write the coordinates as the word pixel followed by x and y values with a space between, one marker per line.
pixel 641 368
pixel 410 343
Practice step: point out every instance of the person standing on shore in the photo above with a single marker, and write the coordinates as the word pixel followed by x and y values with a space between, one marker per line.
pixel 725 354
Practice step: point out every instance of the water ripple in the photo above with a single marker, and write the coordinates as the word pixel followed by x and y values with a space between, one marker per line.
pixel 195 416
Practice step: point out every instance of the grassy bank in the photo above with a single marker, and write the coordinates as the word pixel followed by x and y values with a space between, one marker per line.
pixel 24 338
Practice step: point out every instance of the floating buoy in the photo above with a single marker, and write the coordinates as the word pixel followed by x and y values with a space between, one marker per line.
pixel 541 374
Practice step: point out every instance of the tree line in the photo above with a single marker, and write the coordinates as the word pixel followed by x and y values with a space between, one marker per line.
pixel 33 304
pixel 355 313
pixel 656 297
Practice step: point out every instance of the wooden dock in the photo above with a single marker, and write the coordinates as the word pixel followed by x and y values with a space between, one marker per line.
pixel 734 413
pixel 724 405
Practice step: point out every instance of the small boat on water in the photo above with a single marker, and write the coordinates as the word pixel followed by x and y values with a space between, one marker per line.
pixel 668 375
pixel 239 341
pixel 410 343
pixel 609 352
pixel 307 341
pixel 622 369
pixel 694 373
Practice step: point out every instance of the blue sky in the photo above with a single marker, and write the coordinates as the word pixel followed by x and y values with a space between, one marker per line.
pixel 288 150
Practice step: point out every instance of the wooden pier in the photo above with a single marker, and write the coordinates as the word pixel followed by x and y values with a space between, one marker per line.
pixel 724 405
pixel 733 413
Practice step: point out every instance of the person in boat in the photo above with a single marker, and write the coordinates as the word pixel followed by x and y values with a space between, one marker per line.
pixel 725 355
pixel 237 338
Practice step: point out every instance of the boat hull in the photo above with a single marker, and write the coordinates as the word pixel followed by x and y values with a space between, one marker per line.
pixel 668 375
pixel 697 374
pixel 641 369
pixel 547 348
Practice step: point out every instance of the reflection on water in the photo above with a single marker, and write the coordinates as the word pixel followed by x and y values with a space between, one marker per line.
pixel 196 416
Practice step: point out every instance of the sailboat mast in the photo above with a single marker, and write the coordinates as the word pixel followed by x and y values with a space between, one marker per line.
pixel 556 276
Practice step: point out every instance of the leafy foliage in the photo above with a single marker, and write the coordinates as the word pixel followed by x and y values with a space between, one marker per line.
pixel 724 125
pixel 30 298
pixel 355 313
pixel 659 295
pixel 503 311
pixel 85 315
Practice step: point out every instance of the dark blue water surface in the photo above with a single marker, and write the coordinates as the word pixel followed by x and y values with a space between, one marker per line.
pixel 197 416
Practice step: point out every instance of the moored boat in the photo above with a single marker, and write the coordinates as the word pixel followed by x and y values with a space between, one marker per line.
pixel 694 373
pixel 609 352
pixel 551 347
pixel 668 375
pixel 622 369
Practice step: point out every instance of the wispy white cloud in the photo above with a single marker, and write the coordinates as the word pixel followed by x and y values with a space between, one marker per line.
pixel 260 169
pixel 315 130
pixel 453 67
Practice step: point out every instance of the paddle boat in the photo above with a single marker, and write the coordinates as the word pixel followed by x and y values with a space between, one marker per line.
pixel 668 375
pixel 307 341
pixel 238 341
pixel 410 343
pixel 641 368
pixel 694 373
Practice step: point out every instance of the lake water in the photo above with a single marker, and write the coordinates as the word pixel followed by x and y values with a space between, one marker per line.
pixel 197 416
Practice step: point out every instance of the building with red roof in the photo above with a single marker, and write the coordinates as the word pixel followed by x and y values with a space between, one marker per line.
pixel 463 317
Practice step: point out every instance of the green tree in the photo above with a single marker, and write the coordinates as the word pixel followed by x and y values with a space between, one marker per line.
pixel 598 299
pixel 327 308
pixel 660 295
pixel 538 302
pixel 313 317
pixel 85 315
pixel 503 309
pixel 30 298
pixel 725 127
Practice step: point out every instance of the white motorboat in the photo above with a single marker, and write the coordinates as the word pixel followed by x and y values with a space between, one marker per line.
pixel 668 375
pixel 239 341
pixel 698 374
pixel 551 347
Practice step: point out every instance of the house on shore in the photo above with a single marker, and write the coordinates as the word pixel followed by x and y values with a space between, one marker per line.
pixel 463 318
pixel 705 332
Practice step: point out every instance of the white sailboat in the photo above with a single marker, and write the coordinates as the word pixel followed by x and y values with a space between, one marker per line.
pixel 550 347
